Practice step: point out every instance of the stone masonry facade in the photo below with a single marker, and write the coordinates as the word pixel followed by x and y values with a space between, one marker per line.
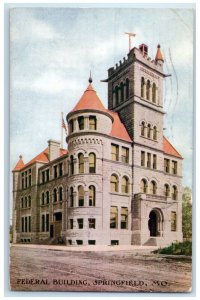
pixel 120 180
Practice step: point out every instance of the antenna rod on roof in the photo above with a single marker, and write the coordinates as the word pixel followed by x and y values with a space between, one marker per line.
pixel 130 35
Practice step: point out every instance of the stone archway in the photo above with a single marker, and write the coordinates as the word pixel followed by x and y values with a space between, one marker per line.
pixel 155 223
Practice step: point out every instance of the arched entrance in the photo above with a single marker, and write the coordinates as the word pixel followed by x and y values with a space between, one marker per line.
pixel 155 223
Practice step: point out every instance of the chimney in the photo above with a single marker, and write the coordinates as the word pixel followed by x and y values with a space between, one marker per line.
pixel 54 149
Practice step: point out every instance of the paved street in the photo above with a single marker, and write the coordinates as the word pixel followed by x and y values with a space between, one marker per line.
pixel 58 268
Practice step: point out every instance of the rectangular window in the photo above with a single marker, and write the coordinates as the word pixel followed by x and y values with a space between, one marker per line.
pixel 47 222
pixel 29 223
pixel 22 202
pixel 81 123
pixel 55 172
pixel 43 223
pixel 125 155
pixel 174 167
pixel 26 180
pixel 148 160
pixel 60 169
pixel 155 161
pixel 71 223
pixel 91 223
pixel 114 217
pixel 23 180
pixel 79 242
pixel 47 197
pixel 47 175
pixel 173 221
pixel 91 242
pixel 92 123
pixel 29 177
pixel 142 158
pixel 22 224
pixel 114 152
pixel 29 201
pixel 43 176
pixel 43 199
pixel 166 165
pixel 124 218
pixel 114 242
pixel 80 223
pixel 26 224
pixel 71 126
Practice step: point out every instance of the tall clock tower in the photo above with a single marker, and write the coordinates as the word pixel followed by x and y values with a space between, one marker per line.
pixel 135 91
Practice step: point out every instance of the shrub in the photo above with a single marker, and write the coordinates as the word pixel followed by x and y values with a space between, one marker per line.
pixel 184 248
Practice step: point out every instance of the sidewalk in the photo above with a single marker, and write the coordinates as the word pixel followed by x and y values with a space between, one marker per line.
pixel 89 248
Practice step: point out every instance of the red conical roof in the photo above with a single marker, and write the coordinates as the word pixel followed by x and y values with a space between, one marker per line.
pixel 89 100
pixel 19 165
pixel 159 54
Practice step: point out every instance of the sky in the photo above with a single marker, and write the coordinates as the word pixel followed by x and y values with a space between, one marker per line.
pixel 52 51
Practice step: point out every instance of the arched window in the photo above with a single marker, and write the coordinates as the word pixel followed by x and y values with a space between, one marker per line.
pixel 148 90
pixel 153 188
pixel 142 87
pixel 43 198
pixel 116 95
pixel 143 129
pixel 92 123
pixel 81 163
pixel 71 197
pixel 55 195
pixel 80 196
pixel 155 133
pixel 125 185
pixel 60 193
pixel 22 202
pixel 166 190
pixel 81 123
pixel 92 195
pixel 71 165
pixel 174 192
pixel 127 88
pixel 122 91
pixel 143 186
pixel 154 93
pixel 149 131
pixel 114 183
pixel 92 163
pixel 47 197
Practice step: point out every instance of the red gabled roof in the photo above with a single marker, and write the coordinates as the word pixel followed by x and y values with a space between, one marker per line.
pixel 169 149
pixel 43 157
pixel 19 165
pixel 89 100
pixel 118 128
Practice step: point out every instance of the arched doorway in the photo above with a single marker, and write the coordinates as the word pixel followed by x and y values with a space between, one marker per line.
pixel 155 223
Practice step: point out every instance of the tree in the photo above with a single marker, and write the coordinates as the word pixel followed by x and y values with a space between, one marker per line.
pixel 187 213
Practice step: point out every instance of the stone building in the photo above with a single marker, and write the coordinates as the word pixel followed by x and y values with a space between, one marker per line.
pixel 119 181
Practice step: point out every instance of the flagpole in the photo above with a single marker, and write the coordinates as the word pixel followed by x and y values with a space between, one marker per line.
pixel 61 130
